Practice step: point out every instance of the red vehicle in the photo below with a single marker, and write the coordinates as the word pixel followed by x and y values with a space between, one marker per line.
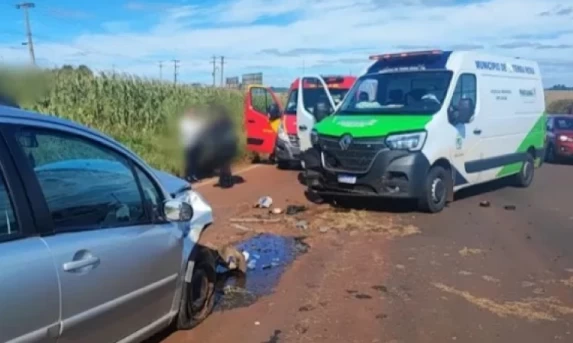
pixel 559 143
pixel 289 135
pixel 262 115
pixel 274 132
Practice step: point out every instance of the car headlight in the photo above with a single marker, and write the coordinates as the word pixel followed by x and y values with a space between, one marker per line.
pixel 408 141
pixel 313 137
pixel 565 138
pixel 282 132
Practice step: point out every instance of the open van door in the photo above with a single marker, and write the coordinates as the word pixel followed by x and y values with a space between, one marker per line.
pixel 262 115
pixel 311 90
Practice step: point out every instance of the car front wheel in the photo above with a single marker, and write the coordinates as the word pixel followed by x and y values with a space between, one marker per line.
pixel 198 296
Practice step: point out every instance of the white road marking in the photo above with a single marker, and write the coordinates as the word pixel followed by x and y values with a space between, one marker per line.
pixel 214 180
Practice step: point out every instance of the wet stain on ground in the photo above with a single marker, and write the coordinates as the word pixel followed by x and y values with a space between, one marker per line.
pixel 269 256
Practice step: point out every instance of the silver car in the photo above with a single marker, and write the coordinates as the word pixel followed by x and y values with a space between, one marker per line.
pixel 95 245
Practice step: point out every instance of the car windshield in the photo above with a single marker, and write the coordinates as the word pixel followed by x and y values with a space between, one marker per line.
pixel 564 123
pixel 413 92
pixel 311 97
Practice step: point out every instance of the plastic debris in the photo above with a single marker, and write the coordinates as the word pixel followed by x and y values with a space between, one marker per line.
pixel 294 209
pixel 302 225
pixel 264 202
pixel 485 203
pixel 276 210
pixel 323 229
pixel 246 255
pixel 252 264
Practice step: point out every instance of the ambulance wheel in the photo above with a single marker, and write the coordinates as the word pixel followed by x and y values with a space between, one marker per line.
pixel 525 176
pixel 435 193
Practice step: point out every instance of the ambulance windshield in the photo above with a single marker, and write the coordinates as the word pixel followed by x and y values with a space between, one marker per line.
pixel 395 93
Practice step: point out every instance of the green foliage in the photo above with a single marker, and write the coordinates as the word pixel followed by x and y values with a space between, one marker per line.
pixel 562 106
pixel 138 112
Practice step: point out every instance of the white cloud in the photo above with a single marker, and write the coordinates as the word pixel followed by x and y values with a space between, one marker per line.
pixel 328 35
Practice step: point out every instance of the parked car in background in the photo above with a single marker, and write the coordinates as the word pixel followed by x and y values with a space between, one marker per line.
pixel 559 142
pixel 95 245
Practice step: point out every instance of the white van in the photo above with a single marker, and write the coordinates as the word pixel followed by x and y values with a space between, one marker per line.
pixel 426 124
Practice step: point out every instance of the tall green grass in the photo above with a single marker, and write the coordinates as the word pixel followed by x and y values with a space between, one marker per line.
pixel 138 112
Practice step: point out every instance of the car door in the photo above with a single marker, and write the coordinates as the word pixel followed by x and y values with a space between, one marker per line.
pixel 117 262
pixel 261 130
pixel 310 90
pixel 466 151
pixel 29 289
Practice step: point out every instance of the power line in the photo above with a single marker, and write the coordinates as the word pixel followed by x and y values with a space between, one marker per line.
pixel 175 70
pixel 214 69
pixel 222 68
pixel 25 6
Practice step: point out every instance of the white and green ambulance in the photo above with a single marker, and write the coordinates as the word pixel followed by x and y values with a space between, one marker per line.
pixel 426 124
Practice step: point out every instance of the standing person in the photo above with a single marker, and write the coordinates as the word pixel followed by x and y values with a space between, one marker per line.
pixel 191 126
pixel 224 140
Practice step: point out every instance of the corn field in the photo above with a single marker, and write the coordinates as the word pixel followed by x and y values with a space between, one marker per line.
pixel 138 112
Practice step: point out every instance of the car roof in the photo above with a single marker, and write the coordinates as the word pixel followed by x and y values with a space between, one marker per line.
pixel 15 115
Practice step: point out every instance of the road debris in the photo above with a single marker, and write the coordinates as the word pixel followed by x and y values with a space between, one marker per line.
pixel 323 229
pixel 509 207
pixel 254 220
pixel 232 258
pixel 264 202
pixel 470 251
pixel 294 209
pixel 302 225
pixel 276 210
pixel 241 227
pixel 484 203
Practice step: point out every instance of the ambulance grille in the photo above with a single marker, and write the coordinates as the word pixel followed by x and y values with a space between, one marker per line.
pixel 357 157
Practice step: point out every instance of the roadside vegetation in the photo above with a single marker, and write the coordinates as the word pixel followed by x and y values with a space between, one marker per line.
pixel 136 111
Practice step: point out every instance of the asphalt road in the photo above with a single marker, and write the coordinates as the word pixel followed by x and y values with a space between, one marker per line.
pixel 502 273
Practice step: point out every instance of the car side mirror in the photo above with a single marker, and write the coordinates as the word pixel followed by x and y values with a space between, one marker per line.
pixel 274 111
pixel 321 111
pixel 177 211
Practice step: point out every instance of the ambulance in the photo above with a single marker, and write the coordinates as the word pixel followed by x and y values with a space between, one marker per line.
pixel 272 131
pixel 424 125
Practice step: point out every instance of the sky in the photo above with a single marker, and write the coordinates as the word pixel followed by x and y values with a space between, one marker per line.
pixel 282 38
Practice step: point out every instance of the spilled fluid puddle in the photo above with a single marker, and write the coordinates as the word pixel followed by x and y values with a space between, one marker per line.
pixel 269 255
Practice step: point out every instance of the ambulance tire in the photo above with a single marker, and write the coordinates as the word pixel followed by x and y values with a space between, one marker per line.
pixel 435 193
pixel 198 296
pixel 525 176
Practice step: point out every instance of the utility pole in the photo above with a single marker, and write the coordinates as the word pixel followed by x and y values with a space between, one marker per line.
pixel 222 63
pixel 160 70
pixel 175 70
pixel 214 62
pixel 25 6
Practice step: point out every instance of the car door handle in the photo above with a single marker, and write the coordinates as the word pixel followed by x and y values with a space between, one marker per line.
pixel 477 131
pixel 75 265
pixel 302 127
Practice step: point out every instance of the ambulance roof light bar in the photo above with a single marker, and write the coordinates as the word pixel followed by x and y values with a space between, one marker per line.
pixel 406 54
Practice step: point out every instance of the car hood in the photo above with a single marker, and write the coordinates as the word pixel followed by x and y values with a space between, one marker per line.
pixel 171 183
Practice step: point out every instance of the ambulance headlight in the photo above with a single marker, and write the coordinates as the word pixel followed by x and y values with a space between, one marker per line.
pixel 409 141
pixel 313 137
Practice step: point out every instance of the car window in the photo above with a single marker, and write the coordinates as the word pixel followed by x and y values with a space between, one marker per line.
pixel 465 89
pixel 152 197
pixel 8 223
pixel 86 186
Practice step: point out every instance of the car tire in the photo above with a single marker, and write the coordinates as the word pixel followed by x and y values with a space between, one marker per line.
pixel 525 176
pixel 198 296
pixel 435 193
